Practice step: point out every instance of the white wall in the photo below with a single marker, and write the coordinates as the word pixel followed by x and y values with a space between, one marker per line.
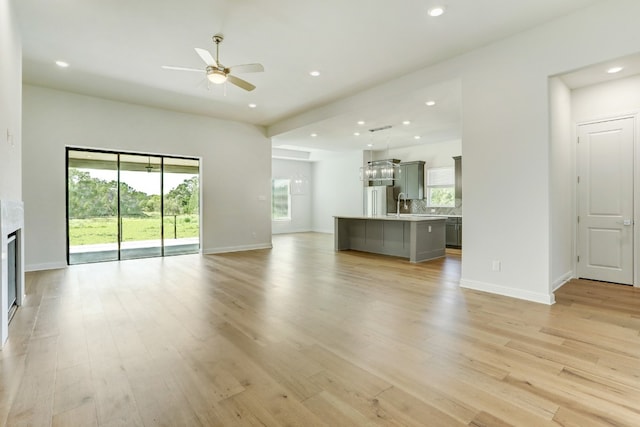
pixel 10 104
pixel 300 198
pixel 562 189
pixel 336 188
pixel 235 166
pixel 606 100
pixel 506 138
pixel 506 143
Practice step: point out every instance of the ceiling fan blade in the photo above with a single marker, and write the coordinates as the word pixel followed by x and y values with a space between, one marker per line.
pixel 171 67
pixel 240 83
pixel 206 57
pixel 247 68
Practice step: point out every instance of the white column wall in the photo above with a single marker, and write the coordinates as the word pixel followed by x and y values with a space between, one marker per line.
pixel 506 174
pixel 235 167
pixel 562 185
pixel 336 188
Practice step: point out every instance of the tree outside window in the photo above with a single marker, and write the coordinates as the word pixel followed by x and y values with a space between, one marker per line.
pixel 280 199
pixel 441 187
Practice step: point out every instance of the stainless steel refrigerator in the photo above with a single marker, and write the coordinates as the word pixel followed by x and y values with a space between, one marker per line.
pixel 378 200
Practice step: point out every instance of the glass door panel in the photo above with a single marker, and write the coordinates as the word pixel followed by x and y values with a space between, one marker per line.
pixel 92 206
pixel 181 206
pixel 140 218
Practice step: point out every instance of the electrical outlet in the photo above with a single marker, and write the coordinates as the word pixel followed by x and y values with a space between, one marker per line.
pixel 497 265
pixel 429 229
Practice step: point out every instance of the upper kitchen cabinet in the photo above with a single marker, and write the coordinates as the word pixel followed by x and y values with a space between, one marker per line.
pixel 411 180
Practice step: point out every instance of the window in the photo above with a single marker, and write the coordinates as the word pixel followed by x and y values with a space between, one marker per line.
pixel 441 187
pixel 280 199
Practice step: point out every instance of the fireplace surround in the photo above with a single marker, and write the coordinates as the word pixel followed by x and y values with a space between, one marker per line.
pixel 11 223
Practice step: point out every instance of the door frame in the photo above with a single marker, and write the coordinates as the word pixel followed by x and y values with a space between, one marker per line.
pixel 636 186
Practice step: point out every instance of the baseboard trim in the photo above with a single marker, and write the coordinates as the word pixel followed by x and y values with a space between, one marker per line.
pixel 561 281
pixel 227 249
pixel 45 266
pixel 328 231
pixel 548 299
pixel 306 230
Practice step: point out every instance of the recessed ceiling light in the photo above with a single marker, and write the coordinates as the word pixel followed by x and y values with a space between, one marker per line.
pixel 436 11
pixel 356 134
pixel 614 70
pixel 62 64
pixel 369 145
pixel 252 105
pixel 314 73
pixel 313 135
pixel 416 137
pixel 430 103
pixel 361 122
pixel 406 122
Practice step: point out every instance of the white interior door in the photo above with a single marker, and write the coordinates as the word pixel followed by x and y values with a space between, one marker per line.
pixel 605 201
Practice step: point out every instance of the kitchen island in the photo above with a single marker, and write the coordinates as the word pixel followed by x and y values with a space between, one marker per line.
pixel 418 238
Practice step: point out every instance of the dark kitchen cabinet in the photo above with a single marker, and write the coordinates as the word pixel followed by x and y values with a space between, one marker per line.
pixel 454 232
pixel 458 177
pixel 411 180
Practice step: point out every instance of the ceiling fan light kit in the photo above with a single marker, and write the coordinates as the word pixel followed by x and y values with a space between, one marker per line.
pixel 218 73
pixel 216 76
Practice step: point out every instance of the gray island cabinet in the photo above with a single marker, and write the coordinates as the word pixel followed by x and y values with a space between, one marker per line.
pixel 419 238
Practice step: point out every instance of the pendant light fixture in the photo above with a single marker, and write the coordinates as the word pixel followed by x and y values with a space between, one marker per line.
pixel 380 170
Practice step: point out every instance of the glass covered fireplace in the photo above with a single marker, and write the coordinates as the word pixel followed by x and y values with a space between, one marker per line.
pixel 11 263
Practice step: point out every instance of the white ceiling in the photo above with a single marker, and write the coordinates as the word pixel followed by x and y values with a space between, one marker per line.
pixel 115 49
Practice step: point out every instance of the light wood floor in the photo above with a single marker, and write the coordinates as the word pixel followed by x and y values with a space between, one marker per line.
pixel 301 335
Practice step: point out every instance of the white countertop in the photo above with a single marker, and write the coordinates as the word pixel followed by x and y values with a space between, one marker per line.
pixel 441 215
pixel 402 217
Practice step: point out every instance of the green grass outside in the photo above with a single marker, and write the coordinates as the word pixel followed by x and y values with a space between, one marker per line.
pixel 105 230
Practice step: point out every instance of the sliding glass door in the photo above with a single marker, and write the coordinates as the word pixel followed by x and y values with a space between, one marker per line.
pixel 124 206
pixel 140 219
pixel 92 207
pixel 181 206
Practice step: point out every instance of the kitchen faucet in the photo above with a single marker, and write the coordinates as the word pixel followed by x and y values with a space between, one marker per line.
pixel 405 203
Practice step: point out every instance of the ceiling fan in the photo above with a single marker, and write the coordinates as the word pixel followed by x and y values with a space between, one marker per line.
pixel 218 73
